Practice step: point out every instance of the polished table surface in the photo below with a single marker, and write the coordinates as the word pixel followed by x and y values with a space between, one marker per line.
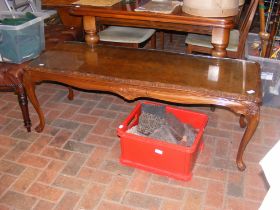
pixel 226 75
pixel 124 15
pixel 134 73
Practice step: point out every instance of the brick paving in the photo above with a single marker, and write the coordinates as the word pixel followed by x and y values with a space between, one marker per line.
pixel 74 162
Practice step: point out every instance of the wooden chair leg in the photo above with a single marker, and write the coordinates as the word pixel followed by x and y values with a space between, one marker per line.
pixel 171 37
pixel 153 42
pixel 161 38
pixel 189 49
pixel 23 103
pixel 135 45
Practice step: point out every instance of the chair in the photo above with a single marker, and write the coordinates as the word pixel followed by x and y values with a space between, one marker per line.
pixel 128 36
pixel 57 33
pixel 11 80
pixel 11 74
pixel 235 49
pixel 23 5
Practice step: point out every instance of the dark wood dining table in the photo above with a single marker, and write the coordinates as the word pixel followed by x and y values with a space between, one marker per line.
pixel 124 14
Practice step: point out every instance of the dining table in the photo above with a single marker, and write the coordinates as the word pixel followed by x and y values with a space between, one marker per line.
pixel 123 13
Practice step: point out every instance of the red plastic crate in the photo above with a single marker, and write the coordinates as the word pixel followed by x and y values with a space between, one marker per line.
pixel 158 156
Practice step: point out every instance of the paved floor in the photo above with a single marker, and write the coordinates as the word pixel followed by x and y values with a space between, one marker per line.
pixel 74 163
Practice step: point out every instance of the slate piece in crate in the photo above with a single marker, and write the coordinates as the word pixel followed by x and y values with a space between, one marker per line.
pixel 152 117
pixel 176 126
pixel 189 136
pixel 157 110
pixel 148 123
pixel 164 133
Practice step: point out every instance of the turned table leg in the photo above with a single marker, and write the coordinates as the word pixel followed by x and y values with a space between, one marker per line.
pixel 23 102
pixel 30 90
pixel 220 40
pixel 90 28
pixel 252 117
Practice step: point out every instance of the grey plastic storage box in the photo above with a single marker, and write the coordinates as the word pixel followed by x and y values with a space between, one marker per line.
pixel 270 71
pixel 22 42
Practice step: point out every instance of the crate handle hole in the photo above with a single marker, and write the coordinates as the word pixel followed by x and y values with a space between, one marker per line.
pixel 159 151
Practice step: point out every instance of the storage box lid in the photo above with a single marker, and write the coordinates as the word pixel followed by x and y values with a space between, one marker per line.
pixel 6 14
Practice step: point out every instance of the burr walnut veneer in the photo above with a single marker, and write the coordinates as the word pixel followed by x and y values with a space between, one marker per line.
pixel 123 14
pixel 135 73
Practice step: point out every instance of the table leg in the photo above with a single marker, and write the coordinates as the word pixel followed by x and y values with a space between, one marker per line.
pixel 70 93
pixel 220 40
pixel 252 117
pixel 242 122
pixel 90 28
pixel 30 90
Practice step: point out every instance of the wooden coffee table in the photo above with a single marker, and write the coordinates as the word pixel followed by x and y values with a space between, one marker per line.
pixel 134 73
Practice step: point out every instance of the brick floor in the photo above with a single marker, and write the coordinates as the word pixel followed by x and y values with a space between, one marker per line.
pixel 74 162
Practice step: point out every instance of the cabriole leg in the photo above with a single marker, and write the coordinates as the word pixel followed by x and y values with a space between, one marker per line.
pixel 30 90
pixel 252 117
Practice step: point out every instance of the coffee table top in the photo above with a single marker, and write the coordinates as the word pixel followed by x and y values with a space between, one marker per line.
pixel 237 79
